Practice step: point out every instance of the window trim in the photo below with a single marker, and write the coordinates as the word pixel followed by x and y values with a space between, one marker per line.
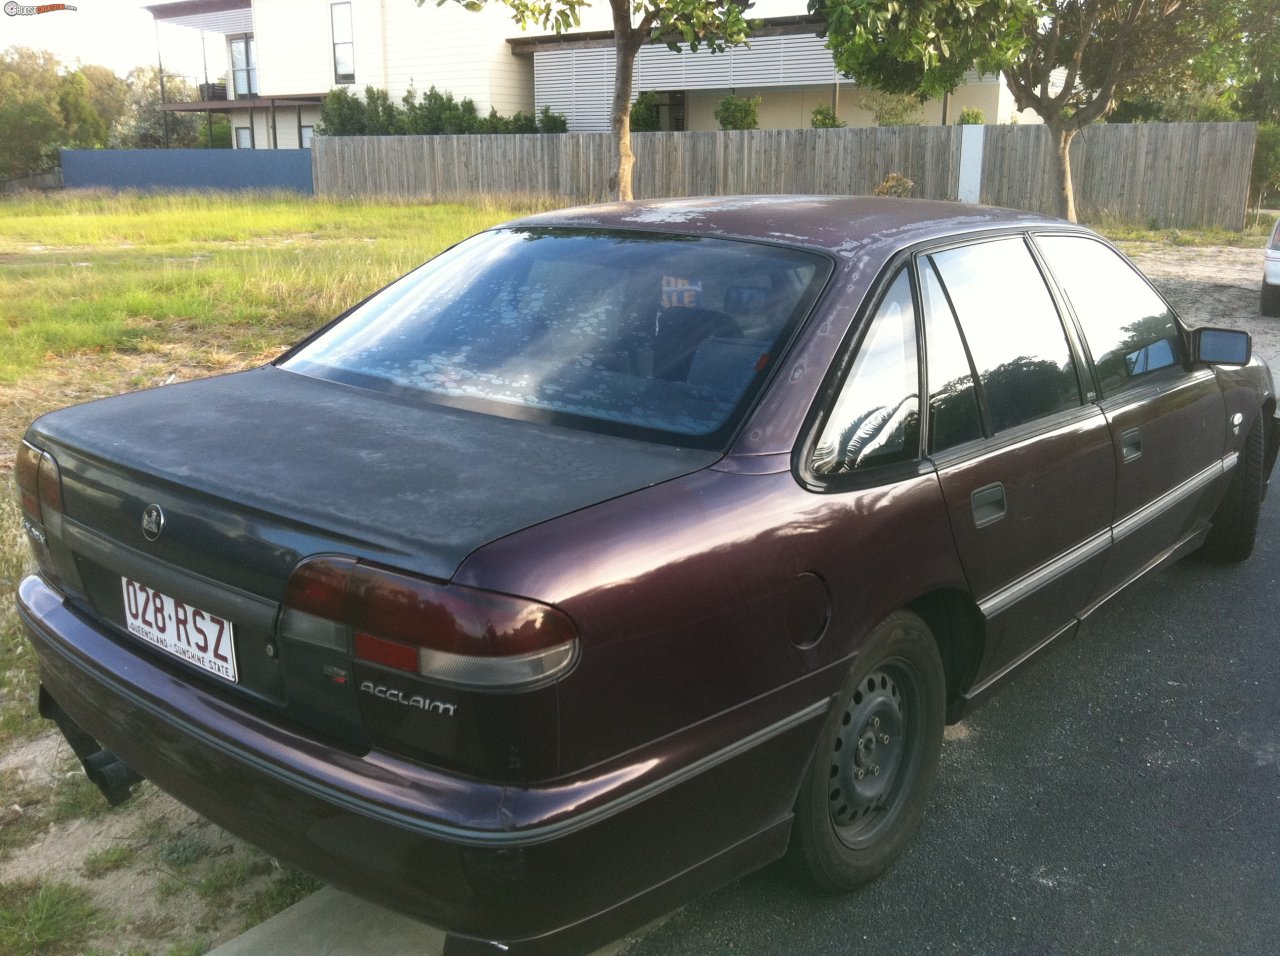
pixel 342 79
pixel 838 374
pixel 251 68
pixel 841 366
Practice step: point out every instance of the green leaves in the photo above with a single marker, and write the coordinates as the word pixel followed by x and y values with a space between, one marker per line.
pixel 923 46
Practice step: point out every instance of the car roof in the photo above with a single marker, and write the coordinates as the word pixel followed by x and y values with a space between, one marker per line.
pixel 847 226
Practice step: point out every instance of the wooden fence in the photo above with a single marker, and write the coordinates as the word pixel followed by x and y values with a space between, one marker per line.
pixel 1183 175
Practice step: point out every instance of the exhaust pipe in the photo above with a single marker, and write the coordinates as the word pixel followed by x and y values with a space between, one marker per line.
pixel 115 778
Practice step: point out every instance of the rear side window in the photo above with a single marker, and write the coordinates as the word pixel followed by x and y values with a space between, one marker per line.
pixel 1012 329
pixel 876 417
pixel 1130 330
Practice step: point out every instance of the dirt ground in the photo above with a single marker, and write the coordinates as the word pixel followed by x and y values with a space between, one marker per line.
pixel 1213 285
pixel 161 903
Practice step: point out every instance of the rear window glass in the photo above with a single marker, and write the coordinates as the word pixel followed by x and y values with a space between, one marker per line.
pixel 666 337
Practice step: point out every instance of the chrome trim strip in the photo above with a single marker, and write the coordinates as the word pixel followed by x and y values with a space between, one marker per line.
pixel 1174 496
pixel 982 688
pixel 1068 561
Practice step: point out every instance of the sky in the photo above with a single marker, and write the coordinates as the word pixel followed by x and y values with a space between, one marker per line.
pixel 120 34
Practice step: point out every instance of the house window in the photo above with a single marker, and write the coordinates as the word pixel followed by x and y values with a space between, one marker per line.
pixel 244 137
pixel 244 66
pixel 305 134
pixel 344 57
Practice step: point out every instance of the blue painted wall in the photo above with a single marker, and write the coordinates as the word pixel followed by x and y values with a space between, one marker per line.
pixel 188 169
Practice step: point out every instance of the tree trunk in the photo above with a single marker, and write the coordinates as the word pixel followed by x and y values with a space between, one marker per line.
pixel 1063 135
pixel 626 44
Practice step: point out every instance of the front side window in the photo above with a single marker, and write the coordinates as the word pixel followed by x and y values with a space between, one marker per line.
pixel 1130 330
pixel 244 137
pixel 1012 329
pixel 305 134
pixel 876 417
pixel 344 57
pixel 244 67
pixel 667 338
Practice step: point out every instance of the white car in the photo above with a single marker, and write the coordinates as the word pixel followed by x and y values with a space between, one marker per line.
pixel 1271 275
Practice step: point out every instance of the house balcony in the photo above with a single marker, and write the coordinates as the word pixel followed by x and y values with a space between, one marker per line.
pixel 229 81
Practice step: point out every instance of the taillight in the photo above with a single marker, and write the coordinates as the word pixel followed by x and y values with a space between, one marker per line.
pixel 445 632
pixel 40 494
pixel 39 484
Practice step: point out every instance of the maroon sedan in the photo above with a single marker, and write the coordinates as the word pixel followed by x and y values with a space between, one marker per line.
pixel 619 551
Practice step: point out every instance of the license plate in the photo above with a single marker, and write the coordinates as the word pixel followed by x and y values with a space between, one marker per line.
pixel 204 639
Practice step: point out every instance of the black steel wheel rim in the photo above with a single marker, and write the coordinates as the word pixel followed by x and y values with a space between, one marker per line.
pixel 873 758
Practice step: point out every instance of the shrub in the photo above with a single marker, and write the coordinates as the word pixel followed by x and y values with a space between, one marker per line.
pixel 432 114
pixel 895 184
pixel 644 113
pixel 341 114
pixel 739 112
pixel 824 117
pixel 971 116
pixel 895 109
pixel 549 122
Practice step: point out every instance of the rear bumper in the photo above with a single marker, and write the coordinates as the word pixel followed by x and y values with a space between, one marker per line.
pixel 553 868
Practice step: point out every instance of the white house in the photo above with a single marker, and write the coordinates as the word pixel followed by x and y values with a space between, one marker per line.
pixel 284 56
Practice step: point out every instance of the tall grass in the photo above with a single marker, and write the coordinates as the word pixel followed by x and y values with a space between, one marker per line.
pixel 85 272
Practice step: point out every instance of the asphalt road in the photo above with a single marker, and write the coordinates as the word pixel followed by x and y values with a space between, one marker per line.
pixel 1121 796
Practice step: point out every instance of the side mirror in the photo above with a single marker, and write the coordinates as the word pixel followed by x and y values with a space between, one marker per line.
pixel 1221 346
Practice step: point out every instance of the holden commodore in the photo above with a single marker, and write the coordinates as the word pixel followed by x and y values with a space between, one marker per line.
pixel 618 551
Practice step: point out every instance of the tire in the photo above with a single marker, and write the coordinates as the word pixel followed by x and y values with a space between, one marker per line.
pixel 1235 523
pixel 1270 305
pixel 865 790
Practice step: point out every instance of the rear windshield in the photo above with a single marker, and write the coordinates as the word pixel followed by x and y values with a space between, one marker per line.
pixel 660 337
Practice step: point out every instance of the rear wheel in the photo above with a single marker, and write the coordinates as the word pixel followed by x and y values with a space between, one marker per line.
pixel 866 789
pixel 1235 523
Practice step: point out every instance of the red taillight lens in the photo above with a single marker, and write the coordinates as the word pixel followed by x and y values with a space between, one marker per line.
pixel 446 632
pixel 39 483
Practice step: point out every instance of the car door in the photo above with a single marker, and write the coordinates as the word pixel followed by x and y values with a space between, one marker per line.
pixel 1167 420
pixel 1026 464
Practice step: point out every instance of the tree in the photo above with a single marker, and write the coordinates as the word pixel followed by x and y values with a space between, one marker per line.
pixel 144 125
pixel 714 24
pixel 30 115
pixel 1068 60
pixel 107 92
pixel 84 127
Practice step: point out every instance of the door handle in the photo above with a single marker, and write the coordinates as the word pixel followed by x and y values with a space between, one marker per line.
pixel 1131 444
pixel 988 504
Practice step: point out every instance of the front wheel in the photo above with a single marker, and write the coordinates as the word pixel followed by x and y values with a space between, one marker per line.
pixel 865 791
